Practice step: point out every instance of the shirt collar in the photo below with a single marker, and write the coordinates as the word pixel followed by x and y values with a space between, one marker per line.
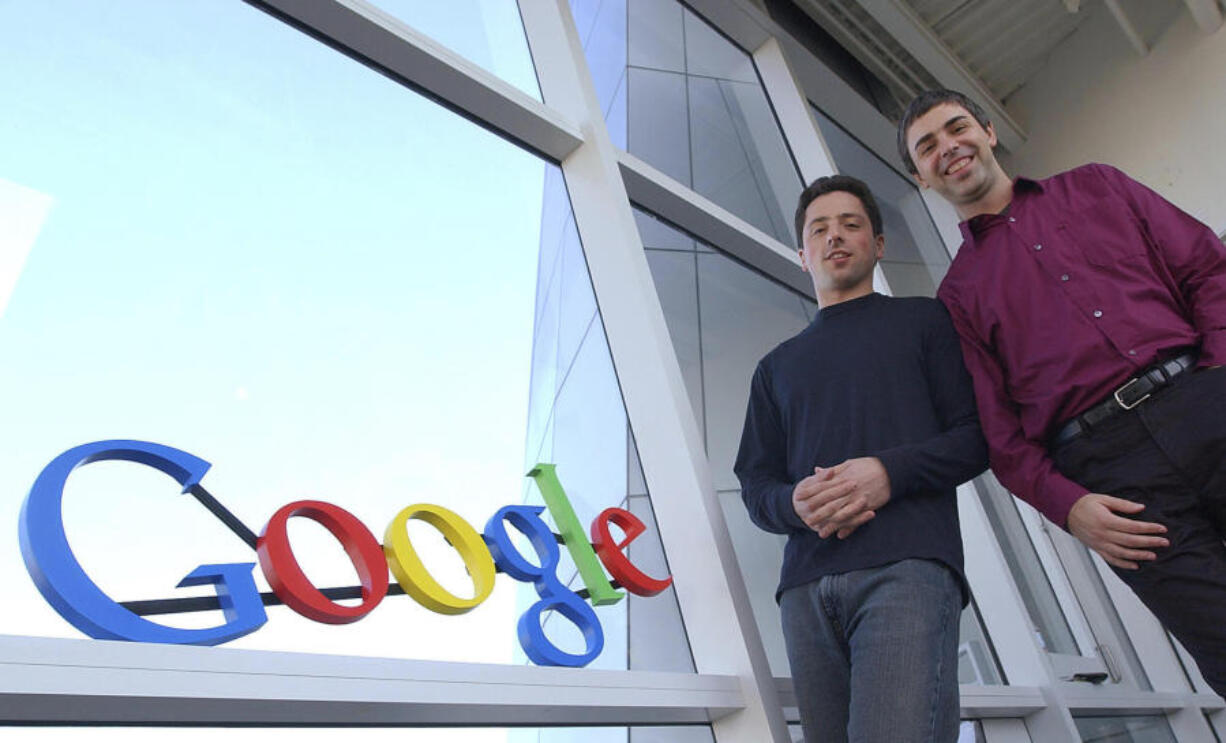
pixel 1023 188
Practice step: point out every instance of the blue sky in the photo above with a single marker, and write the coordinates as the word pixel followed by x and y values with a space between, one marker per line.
pixel 255 249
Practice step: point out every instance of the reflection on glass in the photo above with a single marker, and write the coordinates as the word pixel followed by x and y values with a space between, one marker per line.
pixel 971 731
pixel 639 734
pixel 1135 729
pixel 1050 625
pixel 977 663
pixel 722 318
pixel 689 102
pixel 22 212
pixel 223 267
pixel 915 257
pixel 577 421
pixel 1103 603
pixel 489 33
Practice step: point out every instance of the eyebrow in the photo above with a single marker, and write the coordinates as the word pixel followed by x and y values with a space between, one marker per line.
pixel 844 215
pixel 930 135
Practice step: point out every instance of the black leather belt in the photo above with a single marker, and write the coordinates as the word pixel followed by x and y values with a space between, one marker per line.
pixel 1126 397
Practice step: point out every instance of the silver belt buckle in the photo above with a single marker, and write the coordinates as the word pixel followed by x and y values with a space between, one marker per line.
pixel 1125 386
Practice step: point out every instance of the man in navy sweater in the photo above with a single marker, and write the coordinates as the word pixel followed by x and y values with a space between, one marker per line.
pixel 858 431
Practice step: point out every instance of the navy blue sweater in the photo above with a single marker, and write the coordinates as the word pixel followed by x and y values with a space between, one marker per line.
pixel 871 377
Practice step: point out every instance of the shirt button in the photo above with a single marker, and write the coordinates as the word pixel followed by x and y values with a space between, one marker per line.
pixel 1064 277
pixel 1038 247
pixel 1132 352
pixel 1098 313
pixel 1011 219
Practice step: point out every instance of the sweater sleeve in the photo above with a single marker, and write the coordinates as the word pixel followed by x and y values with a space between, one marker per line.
pixel 761 463
pixel 958 452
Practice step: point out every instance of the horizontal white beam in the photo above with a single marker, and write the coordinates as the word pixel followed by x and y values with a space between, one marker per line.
pixel 394 48
pixel 977 702
pixel 59 681
pixel 1112 700
pixel 711 223
pixel 908 28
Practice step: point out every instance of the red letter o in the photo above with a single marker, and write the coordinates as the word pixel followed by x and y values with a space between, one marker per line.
pixel 291 584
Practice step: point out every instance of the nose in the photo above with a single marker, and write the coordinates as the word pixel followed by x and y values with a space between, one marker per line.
pixel 947 145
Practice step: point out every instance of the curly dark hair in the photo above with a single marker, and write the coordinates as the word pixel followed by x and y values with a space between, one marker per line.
pixel 830 184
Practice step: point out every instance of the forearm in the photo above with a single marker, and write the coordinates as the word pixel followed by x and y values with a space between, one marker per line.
pixel 769 503
pixel 938 464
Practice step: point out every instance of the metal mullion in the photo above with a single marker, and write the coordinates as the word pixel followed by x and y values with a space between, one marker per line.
pixel 675 202
pixel 392 47
pixel 711 593
pixel 1005 619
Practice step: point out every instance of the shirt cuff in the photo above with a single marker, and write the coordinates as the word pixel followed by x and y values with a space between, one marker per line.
pixel 1059 495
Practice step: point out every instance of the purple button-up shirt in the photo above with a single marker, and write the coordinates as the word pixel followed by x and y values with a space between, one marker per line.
pixel 1087 279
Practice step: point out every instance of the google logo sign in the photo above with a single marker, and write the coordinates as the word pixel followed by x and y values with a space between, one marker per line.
pixel 66 586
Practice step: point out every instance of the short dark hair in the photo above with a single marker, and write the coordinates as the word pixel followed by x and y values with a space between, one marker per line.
pixel 922 104
pixel 829 184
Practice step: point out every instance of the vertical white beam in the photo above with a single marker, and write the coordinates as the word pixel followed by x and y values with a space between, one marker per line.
pixel 710 591
pixel 799 126
pixel 1207 14
pixel 793 112
pixel 1126 25
pixel 1006 619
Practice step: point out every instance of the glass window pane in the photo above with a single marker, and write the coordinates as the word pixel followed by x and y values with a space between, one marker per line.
pixel 489 33
pixel 228 270
pixel 217 263
pixel 915 256
pixel 636 734
pixel 1136 729
pixel 970 731
pixel 722 318
pixel 977 662
pixel 744 315
pixel 694 108
pixel 602 28
pixel 585 433
pixel 657 35
pixel 1050 625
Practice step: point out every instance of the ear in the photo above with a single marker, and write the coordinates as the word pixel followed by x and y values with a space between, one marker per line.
pixel 880 244
pixel 920 180
pixel 991 130
pixel 804 260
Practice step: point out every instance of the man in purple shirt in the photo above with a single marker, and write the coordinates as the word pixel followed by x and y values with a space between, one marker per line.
pixel 1092 315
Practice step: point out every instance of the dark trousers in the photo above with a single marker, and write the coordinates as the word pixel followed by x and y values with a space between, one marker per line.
pixel 1170 454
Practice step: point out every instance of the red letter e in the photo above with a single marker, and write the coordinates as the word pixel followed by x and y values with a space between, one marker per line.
pixel 619 566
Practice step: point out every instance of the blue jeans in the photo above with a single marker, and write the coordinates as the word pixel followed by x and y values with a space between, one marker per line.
pixel 874 654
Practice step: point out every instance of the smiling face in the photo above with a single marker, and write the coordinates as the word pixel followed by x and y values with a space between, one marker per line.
pixel 953 156
pixel 840 249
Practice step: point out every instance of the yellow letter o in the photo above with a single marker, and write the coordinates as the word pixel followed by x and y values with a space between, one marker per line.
pixel 412 575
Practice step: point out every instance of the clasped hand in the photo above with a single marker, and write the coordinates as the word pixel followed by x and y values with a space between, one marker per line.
pixel 840 499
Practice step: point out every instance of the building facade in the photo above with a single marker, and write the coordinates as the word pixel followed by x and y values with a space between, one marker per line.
pixel 650 152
